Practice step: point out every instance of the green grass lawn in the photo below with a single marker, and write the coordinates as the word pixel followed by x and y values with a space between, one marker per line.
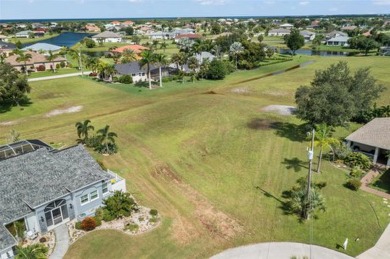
pixel 208 158
pixel 33 40
pixel 61 71
pixel 382 182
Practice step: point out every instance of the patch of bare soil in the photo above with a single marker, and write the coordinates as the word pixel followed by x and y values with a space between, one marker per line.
pixel 281 109
pixel 217 223
pixel 241 90
pixel 63 111
pixel 8 123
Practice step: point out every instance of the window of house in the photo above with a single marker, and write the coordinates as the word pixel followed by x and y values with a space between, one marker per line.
pixel 94 195
pixel 140 74
pixel 143 74
pixel 84 199
pixel 105 188
pixel 133 74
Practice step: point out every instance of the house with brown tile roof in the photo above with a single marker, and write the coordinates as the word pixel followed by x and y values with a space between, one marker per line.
pixel 35 62
pixel 91 27
pixel 136 48
pixel 373 139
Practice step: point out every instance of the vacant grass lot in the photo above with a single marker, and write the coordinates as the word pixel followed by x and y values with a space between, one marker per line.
pixel 208 158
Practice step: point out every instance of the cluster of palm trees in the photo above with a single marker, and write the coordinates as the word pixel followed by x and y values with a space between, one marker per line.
pixel 104 140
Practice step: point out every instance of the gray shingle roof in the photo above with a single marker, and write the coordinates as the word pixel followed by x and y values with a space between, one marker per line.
pixel 6 239
pixel 31 179
pixel 376 133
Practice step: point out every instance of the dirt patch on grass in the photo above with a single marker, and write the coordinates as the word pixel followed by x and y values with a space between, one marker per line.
pixel 8 123
pixel 281 109
pixel 56 112
pixel 240 90
pixel 217 223
pixel 260 124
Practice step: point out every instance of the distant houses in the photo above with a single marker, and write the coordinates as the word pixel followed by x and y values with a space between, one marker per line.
pixel 279 32
pixel 338 41
pixel 37 62
pixel 91 27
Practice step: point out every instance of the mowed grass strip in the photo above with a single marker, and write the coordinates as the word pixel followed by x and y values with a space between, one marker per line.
pixel 184 148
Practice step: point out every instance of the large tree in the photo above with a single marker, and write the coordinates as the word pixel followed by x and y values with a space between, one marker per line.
pixel 13 86
pixel 147 58
pixel 363 44
pixel 295 40
pixel 335 96
pixel 235 49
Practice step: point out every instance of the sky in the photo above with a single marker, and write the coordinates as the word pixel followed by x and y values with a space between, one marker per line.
pixel 52 9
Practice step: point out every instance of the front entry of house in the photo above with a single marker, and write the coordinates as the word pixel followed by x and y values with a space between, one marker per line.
pixel 55 213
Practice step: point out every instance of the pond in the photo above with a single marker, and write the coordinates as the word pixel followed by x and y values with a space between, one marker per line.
pixel 315 52
pixel 65 39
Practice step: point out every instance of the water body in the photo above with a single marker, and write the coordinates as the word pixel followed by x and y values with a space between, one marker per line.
pixel 65 39
pixel 315 52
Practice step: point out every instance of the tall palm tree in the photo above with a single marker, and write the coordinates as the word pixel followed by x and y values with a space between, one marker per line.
pixel 51 59
pixel 128 56
pixel 23 57
pixel 193 64
pixel 147 58
pixel 323 139
pixel 36 251
pixel 161 60
pixel 235 49
pixel 106 138
pixel 175 58
pixel 163 45
pixel 75 54
pixel 92 63
pixel 109 71
pixel 83 128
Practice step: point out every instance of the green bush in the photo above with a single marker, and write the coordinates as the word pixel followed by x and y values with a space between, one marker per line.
pixel 132 227
pixel 78 225
pixel 126 79
pixel 98 221
pixel 357 159
pixel 121 204
pixel 353 184
pixel 153 212
pixel 166 79
pixel 356 172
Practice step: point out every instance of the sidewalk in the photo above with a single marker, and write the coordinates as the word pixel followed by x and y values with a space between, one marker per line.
pixel 58 76
pixel 62 242
pixel 367 179
pixel 281 250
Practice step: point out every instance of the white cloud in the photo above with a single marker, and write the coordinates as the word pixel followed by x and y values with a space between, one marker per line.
pixel 381 2
pixel 304 3
pixel 211 2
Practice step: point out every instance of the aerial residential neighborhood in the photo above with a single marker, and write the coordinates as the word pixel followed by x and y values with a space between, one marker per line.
pixel 194 129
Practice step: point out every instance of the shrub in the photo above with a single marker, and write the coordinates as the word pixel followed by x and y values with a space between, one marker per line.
pixel 356 172
pixel 88 224
pixel 62 64
pixel 153 212
pixel 78 225
pixel 341 151
pixel 121 204
pixel 166 79
pixel 98 221
pixel 357 159
pixel 132 227
pixel 70 65
pixel 107 216
pixel 153 220
pixel 353 184
pixel 42 239
pixel 41 68
pixel 126 79
pixel 93 74
pixel 58 66
pixel 217 70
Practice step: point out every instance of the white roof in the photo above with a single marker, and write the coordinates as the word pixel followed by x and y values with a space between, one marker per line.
pixel 42 46
pixel 107 34
pixel 339 38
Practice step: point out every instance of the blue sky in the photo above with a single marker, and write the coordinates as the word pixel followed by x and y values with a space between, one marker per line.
pixel 39 9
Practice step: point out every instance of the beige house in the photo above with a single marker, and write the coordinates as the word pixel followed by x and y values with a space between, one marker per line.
pixel 107 36
pixel 373 139
pixel 35 63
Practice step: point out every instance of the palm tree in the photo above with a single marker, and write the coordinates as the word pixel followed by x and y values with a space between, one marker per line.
pixel 235 49
pixel 163 45
pixel 161 60
pixel 82 129
pixel 36 251
pixel 75 54
pixel 107 139
pixel 51 59
pixel 92 63
pixel 128 56
pixel 323 139
pixel 23 57
pixel 147 58
pixel 193 64
pixel 109 71
pixel 175 58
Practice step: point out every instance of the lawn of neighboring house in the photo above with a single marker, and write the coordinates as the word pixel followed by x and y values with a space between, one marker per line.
pixel 205 159
pixel 33 40
pixel 382 182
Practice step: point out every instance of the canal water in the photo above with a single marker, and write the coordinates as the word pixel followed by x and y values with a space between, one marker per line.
pixel 65 39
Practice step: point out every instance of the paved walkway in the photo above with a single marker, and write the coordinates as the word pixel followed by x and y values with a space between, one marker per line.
pixel 62 242
pixel 381 248
pixel 58 76
pixel 281 250
pixel 367 179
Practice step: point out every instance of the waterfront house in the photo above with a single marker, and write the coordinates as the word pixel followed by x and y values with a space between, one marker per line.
pixel 107 36
pixel 308 35
pixel 338 41
pixel 43 188
pixel 91 27
pixel 23 34
pixel 43 47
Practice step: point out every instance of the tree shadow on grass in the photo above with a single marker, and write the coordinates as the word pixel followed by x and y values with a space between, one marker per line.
pixel 260 124
pixel 6 107
pixel 294 163
pixel 291 131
